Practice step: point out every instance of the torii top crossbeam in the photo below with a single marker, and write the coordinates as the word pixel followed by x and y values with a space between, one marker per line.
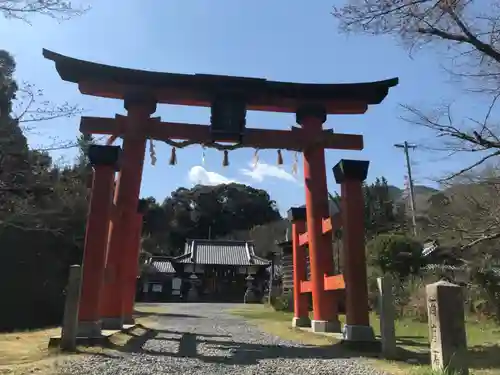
pixel 203 90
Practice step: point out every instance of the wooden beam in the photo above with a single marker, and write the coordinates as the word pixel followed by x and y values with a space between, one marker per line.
pixel 303 239
pixel 305 286
pixel 255 138
pixel 326 225
pixel 188 97
pixel 327 228
pixel 335 282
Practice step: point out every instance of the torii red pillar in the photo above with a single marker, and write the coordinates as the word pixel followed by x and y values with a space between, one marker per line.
pixel 122 231
pixel 350 174
pixel 325 309
pixel 104 160
pixel 131 266
pixel 297 216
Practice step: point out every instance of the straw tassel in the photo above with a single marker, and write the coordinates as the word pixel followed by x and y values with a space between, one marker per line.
pixel 295 165
pixel 173 157
pixel 255 159
pixel 111 140
pixel 225 161
pixel 280 158
pixel 152 152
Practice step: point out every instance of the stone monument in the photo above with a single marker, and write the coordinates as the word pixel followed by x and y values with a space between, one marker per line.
pixel 445 307
pixel 70 319
pixel 387 315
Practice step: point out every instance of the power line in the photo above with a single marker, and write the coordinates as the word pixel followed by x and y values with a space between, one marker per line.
pixel 406 147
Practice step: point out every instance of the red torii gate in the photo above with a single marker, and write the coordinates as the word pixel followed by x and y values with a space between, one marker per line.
pixel 111 253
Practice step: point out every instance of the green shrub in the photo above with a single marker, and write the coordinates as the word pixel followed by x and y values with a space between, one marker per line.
pixel 283 302
pixel 396 254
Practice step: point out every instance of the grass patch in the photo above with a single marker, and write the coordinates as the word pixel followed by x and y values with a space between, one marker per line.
pixel 278 323
pixel 28 346
pixel 27 352
pixel 483 339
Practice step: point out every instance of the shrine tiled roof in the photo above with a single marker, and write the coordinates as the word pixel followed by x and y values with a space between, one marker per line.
pixel 223 252
pixel 162 266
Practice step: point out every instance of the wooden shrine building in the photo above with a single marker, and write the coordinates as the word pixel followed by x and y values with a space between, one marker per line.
pixel 158 281
pixel 222 268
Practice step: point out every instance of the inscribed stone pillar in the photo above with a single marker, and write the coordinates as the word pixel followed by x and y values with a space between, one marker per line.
pixel 104 160
pixel 325 309
pixel 387 316
pixel 69 330
pixel 139 106
pixel 297 216
pixel 445 307
pixel 350 174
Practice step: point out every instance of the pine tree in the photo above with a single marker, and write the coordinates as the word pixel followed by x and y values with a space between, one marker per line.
pixel 84 142
pixel 14 158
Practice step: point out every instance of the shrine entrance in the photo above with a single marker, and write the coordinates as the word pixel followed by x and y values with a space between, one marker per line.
pixel 224 284
pixel 114 221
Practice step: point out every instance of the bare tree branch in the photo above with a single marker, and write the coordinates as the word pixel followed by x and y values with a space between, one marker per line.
pixel 468 34
pixel 30 106
pixel 23 9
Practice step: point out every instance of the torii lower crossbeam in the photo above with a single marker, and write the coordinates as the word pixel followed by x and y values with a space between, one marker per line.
pixel 295 139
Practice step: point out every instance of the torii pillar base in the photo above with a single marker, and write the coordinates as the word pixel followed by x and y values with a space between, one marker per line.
pixel 91 329
pixel 325 326
pixel 360 339
pixel 112 323
pixel 301 322
pixel 358 333
pixel 128 320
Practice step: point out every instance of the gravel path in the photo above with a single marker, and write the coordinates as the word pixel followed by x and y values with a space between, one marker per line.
pixel 202 339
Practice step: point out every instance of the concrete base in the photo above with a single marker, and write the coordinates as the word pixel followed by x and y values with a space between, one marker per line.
pixel 128 320
pixel 358 333
pixel 112 323
pixel 303 321
pixel 325 326
pixel 361 338
pixel 89 329
pixel 103 339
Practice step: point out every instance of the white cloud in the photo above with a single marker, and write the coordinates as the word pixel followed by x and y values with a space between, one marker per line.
pixel 199 175
pixel 263 170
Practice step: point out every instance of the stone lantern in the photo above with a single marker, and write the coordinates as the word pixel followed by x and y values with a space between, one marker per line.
pixel 193 291
pixel 249 293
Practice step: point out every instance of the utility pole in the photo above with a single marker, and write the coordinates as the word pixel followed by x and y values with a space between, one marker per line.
pixel 406 147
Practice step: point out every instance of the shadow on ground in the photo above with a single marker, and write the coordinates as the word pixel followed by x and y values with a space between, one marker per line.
pixel 232 352
pixel 413 349
pixel 229 350
pixel 165 314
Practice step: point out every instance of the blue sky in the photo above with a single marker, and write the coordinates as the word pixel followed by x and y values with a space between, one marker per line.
pixel 282 40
